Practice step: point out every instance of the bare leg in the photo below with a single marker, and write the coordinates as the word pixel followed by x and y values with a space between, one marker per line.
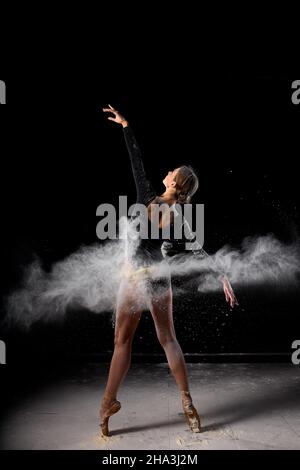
pixel 126 324
pixel 161 310
pixel 162 313
pixel 128 315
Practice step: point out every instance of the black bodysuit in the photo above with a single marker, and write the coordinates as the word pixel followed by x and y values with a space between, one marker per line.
pixel 150 250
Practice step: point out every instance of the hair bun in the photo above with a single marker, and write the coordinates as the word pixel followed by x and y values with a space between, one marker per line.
pixel 183 197
pixel 186 184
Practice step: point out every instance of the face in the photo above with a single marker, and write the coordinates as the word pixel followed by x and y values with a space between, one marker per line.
pixel 169 179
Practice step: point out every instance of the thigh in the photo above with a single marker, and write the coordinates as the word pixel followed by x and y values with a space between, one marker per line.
pixel 161 308
pixel 128 312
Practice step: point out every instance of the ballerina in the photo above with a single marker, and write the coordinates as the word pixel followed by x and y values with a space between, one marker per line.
pixel 180 185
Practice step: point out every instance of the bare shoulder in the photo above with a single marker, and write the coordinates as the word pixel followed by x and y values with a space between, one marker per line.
pixel 159 211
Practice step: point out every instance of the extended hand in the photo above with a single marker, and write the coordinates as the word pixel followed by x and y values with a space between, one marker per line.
pixel 118 118
pixel 229 294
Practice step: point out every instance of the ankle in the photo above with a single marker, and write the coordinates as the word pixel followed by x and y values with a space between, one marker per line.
pixel 108 398
pixel 186 396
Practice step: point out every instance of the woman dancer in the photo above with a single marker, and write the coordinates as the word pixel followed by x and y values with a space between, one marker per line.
pixel 180 185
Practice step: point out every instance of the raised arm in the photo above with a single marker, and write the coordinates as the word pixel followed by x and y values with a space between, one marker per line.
pixel 144 189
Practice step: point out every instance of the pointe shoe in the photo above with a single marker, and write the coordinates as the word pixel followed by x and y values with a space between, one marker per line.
pixel 190 412
pixel 110 407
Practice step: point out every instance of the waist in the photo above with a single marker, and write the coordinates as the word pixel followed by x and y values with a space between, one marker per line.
pixel 149 272
pixel 149 251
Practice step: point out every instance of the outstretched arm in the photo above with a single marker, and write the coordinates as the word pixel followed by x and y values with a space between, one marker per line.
pixel 145 191
pixel 171 248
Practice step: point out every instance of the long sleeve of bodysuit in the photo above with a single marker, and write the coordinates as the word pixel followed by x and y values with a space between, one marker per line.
pixel 144 189
pixel 177 246
pixel 175 249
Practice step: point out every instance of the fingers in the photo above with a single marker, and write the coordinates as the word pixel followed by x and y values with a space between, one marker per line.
pixel 108 110
pixel 229 294
pixel 230 297
pixel 226 294
pixel 233 302
pixel 112 119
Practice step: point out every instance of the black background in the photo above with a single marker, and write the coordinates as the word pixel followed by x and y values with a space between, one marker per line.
pixel 61 158
pixel 187 103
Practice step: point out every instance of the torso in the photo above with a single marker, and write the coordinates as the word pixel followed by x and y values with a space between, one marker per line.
pixel 149 250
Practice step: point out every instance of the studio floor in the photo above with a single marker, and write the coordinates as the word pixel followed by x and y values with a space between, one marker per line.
pixel 242 406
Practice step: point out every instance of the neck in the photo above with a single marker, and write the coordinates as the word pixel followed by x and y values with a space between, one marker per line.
pixel 169 196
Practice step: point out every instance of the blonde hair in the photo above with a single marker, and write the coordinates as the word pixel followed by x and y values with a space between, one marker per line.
pixel 187 183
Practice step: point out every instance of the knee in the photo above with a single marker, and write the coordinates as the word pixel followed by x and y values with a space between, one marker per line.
pixel 166 339
pixel 122 340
